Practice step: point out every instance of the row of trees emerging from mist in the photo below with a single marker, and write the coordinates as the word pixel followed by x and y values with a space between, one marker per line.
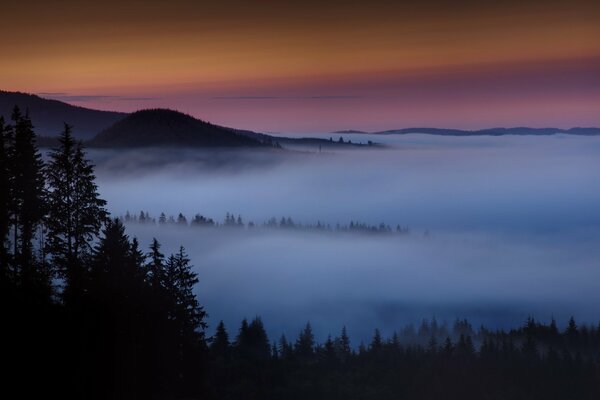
pixel 231 221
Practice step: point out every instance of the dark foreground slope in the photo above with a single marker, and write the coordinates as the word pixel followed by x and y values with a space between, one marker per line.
pixel 48 116
pixel 163 127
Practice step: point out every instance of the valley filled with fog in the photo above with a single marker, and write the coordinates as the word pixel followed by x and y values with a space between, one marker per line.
pixel 500 228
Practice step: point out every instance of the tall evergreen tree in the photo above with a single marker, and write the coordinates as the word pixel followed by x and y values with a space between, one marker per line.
pixel 119 331
pixel 162 219
pixel 113 269
pixel 155 267
pixel 220 345
pixel 344 349
pixel 5 195
pixel 180 281
pixel 76 212
pixel 286 350
pixel 28 194
pixel 252 343
pixel 186 316
pixel 306 342
pixel 377 343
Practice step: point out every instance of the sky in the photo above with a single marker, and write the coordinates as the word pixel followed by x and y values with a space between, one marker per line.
pixel 305 66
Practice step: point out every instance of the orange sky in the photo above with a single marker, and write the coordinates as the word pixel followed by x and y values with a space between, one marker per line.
pixel 196 55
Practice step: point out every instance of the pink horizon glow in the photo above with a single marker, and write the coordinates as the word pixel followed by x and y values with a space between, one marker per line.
pixel 557 93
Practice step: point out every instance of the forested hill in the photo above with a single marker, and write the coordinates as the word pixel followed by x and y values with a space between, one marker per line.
pixel 145 128
pixel 48 116
pixel 163 127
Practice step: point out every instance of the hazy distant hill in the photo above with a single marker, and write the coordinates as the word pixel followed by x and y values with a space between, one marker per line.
pixel 48 116
pixel 140 129
pixel 163 127
pixel 492 131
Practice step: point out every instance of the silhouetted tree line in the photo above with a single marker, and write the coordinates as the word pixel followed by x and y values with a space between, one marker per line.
pixel 283 223
pixel 85 312
pixel 433 361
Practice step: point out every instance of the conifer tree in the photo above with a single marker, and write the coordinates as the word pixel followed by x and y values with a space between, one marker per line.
pixel 162 219
pixel 220 345
pixel 113 270
pixel 252 343
pixel 376 343
pixel 155 267
pixel 120 340
pixel 185 315
pixel 344 344
pixel 285 348
pixel 306 342
pixel 28 194
pixel 5 195
pixel 180 281
pixel 76 212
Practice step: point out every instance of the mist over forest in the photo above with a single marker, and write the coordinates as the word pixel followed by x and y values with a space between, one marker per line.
pixel 388 263
pixel 500 228
pixel 300 200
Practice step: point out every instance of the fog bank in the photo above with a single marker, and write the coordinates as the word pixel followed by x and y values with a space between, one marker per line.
pixel 514 223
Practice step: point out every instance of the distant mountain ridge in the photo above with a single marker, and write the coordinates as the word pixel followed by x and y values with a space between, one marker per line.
pixel 591 131
pixel 164 127
pixel 48 116
pixel 169 128
pixel 144 128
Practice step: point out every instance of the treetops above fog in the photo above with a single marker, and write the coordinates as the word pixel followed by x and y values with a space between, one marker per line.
pixel 233 221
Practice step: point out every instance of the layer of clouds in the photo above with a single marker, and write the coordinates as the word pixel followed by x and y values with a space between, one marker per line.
pixel 514 229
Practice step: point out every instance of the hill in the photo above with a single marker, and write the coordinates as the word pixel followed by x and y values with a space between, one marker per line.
pixel 48 116
pixel 163 127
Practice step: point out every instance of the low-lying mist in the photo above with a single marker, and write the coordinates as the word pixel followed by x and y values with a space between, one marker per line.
pixel 513 223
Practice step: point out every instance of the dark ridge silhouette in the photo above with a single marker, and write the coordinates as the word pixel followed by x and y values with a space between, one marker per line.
pixel 48 116
pixel 163 127
pixel 494 131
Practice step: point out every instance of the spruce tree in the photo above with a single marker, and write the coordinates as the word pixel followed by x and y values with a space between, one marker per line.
pixel 119 333
pixel 252 343
pixel 306 342
pixel 344 349
pixel 377 343
pixel 180 282
pixel 286 350
pixel 76 212
pixel 113 271
pixel 28 195
pixel 155 267
pixel 5 196
pixel 186 316
pixel 220 345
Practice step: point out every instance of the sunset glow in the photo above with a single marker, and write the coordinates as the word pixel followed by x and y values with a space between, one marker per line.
pixel 300 66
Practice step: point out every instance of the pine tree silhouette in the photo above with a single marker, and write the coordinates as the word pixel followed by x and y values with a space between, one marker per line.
pixel 75 212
